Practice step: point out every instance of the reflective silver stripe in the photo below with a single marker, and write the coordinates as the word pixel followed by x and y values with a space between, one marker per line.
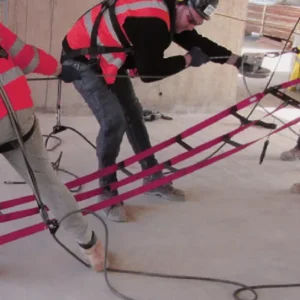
pixel 16 47
pixel 10 75
pixel 34 62
pixel 140 5
pixel 117 62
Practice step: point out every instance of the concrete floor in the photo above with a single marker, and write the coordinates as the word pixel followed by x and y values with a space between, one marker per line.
pixel 240 222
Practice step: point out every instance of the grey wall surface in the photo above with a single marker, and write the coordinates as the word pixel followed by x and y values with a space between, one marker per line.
pixel 45 22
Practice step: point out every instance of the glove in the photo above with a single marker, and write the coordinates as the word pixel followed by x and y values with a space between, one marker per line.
pixel 198 57
pixel 69 74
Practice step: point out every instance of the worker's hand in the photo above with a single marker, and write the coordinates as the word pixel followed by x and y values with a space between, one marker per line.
pixel 69 74
pixel 240 63
pixel 196 57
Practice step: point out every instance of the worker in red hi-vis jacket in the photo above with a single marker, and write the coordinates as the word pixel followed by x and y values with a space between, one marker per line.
pixel 17 59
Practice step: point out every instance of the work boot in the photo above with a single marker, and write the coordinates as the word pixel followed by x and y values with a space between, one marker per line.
pixel 94 253
pixel 165 191
pixel 290 155
pixel 116 212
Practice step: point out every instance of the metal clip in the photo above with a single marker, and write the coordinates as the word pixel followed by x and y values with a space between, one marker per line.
pixel 53 226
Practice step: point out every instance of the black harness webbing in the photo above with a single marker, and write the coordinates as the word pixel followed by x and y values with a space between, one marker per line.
pixel 14 144
pixel 94 50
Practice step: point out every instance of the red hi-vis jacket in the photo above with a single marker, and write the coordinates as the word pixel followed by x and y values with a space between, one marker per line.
pixel 79 36
pixel 22 59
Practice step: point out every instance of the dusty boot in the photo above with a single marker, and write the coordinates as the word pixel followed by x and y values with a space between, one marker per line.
pixel 165 191
pixel 295 188
pixel 290 155
pixel 94 253
pixel 116 213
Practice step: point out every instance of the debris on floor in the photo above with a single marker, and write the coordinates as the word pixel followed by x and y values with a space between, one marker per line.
pixel 150 115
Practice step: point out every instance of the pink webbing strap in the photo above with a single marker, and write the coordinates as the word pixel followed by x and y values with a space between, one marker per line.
pixel 18 234
pixel 179 158
pixel 127 195
pixel 39 227
pixel 88 178
pixel 108 170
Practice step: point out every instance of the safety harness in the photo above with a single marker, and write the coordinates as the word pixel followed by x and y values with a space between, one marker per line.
pixel 95 50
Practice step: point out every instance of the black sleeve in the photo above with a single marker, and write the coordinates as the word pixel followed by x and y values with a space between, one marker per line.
pixel 189 39
pixel 150 38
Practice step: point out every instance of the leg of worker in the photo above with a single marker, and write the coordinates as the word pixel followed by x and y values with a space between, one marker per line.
pixel 109 114
pixel 138 135
pixel 56 196
pixel 292 154
pixel 136 130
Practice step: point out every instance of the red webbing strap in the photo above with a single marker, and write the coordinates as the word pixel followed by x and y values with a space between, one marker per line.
pixel 135 158
pixel 132 193
pixel 180 173
pixel 88 178
pixel 288 84
pixel 39 227
pixel 18 234
pixel 159 167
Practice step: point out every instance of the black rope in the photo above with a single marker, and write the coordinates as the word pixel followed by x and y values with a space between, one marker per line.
pixel 242 287
pixel 55 165
pixel 237 294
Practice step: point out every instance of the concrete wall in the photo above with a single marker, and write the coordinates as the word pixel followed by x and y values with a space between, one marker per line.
pixel 45 22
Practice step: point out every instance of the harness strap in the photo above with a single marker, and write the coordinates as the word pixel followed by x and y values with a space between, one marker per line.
pixel 14 144
pixel 94 50
pixel 117 28
pixel 94 45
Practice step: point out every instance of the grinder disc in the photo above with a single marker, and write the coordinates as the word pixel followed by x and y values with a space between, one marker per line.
pixel 258 73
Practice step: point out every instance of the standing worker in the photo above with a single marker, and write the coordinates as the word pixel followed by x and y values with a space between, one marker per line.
pixel 17 59
pixel 120 35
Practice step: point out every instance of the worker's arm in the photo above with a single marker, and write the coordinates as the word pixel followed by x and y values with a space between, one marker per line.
pixel 189 39
pixel 150 38
pixel 27 57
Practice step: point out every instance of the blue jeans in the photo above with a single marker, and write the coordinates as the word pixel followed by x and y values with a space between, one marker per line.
pixel 117 110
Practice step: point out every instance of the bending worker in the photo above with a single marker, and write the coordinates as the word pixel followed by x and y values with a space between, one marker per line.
pixel 18 59
pixel 120 35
